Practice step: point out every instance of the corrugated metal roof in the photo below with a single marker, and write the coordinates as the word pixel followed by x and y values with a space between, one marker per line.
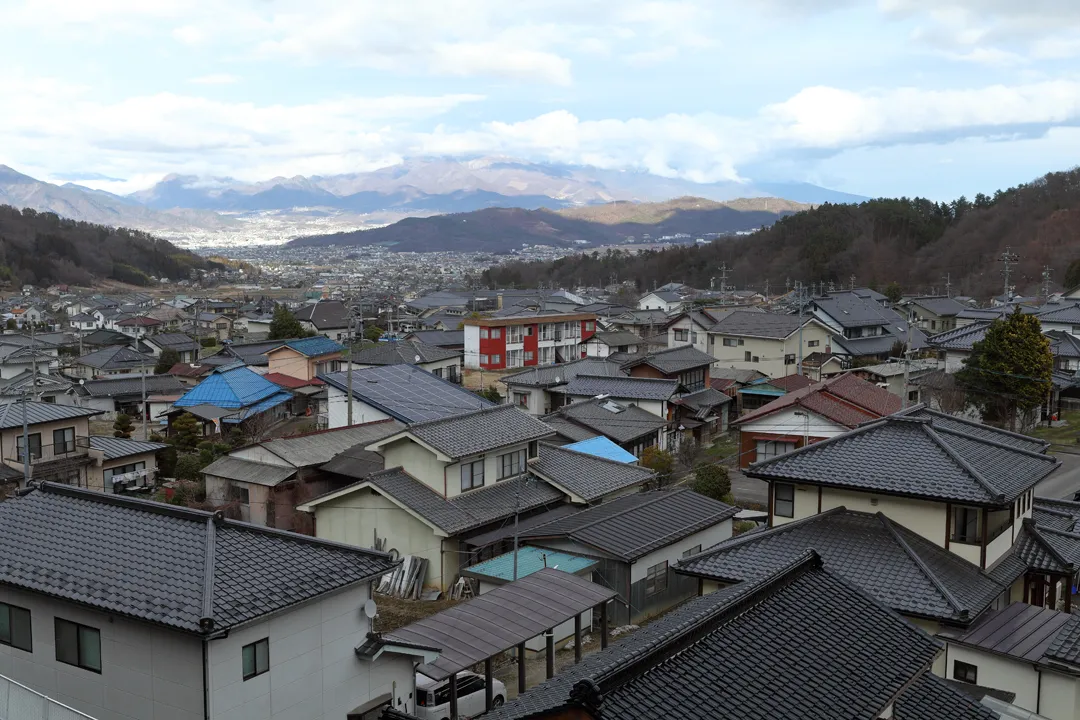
pixel 11 414
pixel 249 471
pixel 408 393
pixel 530 560
pixel 500 620
pixel 234 387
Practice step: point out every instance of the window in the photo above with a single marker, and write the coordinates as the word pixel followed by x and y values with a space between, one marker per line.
pixel 496 359
pixel 521 399
pixel 515 334
pixel 965 525
pixel 240 494
pixel 757 359
pixel 693 337
pixel 35 446
pixel 513 358
pixel 965 672
pixel 747 356
pixel 682 334
pixel 256 658
pixel 692 551
pixel 483 333
pixel 529 356
pixel 15 627
pixel 63 440
pixel 496 333
pixel 784 500
pixel 110 473
pixel 78 645
pixel 771 448
pixel 813 343
pixel 933 324
pixel 472 475
pixel 590 325
pixel 656 579
pixel 789 359
pixel 731 342
pixel 484 360
pixel 913 397
pixel 511 464
pixel 694 380
pixel 528 331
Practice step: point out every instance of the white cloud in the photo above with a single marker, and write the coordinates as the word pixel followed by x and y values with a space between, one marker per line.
pixel 215 79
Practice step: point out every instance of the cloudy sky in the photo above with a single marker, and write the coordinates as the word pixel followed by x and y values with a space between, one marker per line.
pixel 876 97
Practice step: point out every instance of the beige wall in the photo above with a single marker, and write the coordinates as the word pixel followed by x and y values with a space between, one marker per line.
pixel 95 475
pixel 419 462
pixel 689 325
pixel 806 504
pixel 770 352
pixel 1001 673
pixel 289 362
pixel 920 516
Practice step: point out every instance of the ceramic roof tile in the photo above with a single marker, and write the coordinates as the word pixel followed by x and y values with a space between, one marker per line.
pixel 622 387
pixel 618 421
pixel 587 476
pixel 114 447
pixel 403 352
pixel 479 431
pixel 561 373
pixel 130 385
pixel 931 698
pixel 672 360
pixel 961 338
pixel 846 399
pixel 408 393
pixel 756 324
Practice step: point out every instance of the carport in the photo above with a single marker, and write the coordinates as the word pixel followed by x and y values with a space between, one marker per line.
pixel 501 620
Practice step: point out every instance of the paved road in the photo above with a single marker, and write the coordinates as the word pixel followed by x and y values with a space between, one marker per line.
pixel 748 490
pixel 1064 481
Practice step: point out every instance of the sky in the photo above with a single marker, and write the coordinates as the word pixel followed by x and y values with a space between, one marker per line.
pixel 935 98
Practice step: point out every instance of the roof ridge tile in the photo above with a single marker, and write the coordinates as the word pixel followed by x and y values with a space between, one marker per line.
pixel 923 567
pixel 995 493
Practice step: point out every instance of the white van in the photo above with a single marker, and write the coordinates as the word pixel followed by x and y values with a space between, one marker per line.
pixel 433 698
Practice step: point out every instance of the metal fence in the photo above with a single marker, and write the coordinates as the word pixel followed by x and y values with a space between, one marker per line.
pixel 18 702
pixel 633 603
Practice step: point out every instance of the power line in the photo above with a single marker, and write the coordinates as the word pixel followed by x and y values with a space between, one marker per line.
pixel 1009 258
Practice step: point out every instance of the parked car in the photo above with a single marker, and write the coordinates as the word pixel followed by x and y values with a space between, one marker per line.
pixel 433 698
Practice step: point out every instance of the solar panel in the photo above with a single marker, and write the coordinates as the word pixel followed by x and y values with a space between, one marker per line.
pixel 409 392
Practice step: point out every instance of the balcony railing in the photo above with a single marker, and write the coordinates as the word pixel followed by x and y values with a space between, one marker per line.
pixel 75 447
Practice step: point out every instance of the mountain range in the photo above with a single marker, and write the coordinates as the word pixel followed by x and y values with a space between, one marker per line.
pixel 416 187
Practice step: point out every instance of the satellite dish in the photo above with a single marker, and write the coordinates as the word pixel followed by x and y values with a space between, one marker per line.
pixel 416 359
pixel 82 381
pixel 558 379
pixel 370 608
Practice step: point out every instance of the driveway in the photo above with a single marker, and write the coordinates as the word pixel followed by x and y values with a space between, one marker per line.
pixel 1064 481
pixel 748 491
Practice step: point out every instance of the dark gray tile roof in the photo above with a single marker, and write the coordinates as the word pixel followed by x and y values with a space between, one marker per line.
pixel 881 344
pixel 616 420
pixel 917 457
pixel 149 561
pixel 480 431
pixel 418 497
pixel 704 401
pixel 672 360
pixel 496 501
pixel 11 414
pixel 1064 344
pixel 403 352
pixel 316 448
pixel 1065 647
pixel 850 310
pixel 801 644
pixel 567 430
pixel 1069 314
pixel 116 357
pixel 562 373
pixel 931 698
pixel 977 430
pixel 439 338
pixel 961 338
pixel 617 337
pixel 1055 513
pixel 176 341
pixel 758 324
pixel 634 525
pixel 901 569
pixel 940 306
pixel 587 476
pixel 408 393
pixel 1046 549
pixel 249 471
pixel 622 387
pixel 131 385
pixel 324 314
pixel 114 447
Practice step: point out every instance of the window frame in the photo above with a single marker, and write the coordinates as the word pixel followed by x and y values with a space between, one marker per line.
pixel 30 441
pixel 813 343
pixel 731 342
pixel 788 487
pixel 471 466
pixel 80 661
pixel 965 672
pixel 68 445
pixel 954 533
pixel 690 552
pixel 517 460
pixel 256 672
pixel 656 580
pixel 12 640
pixel 790 359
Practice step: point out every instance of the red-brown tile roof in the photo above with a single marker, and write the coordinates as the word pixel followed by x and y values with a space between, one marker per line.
pixel 288 381
pixel 791 383
pixel 846 400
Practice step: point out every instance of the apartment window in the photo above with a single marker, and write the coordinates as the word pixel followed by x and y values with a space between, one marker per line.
pixel 789 359
pixel 78 645
pixel 484 360
pixel 813 343
pixel 965 525
pixel 513 358
pixel 483 333
pixel 965 672
pixel 731 342
pixel 681 334
pixel 515 334
pixel 496 359
pixel 656 579
pixel 15 627
pixel 472 475
pixel 783 500
pixel 496 333
pixel 529 356
pixel 693 336
pixel 692 551
pixel 521 399
pixel 771 448
pixel 511 464
pixel 528 331
pixel 63 440
pixel 35 446
pixel 747 356
pixel 590 325
pixel 256 658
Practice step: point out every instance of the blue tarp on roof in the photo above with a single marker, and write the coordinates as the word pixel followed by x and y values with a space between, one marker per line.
pixel 530 560
pixel 229 387
pixel 601 447
pixel 314 346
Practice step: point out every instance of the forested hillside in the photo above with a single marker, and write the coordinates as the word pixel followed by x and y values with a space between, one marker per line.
pixel 43 248
pixel 915 242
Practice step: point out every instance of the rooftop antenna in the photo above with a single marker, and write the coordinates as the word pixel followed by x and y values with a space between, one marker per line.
pixel 1008 258
pixel 948 284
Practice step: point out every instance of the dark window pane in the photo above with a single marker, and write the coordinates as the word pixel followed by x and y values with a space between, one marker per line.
pixel 20 629
pixel 5 624
pixel 248 654
pixel 262 656
pixel 89 648
pixel 67 642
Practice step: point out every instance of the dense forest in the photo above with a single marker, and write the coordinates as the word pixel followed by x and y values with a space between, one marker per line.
pixel 43 248
pixel 915 242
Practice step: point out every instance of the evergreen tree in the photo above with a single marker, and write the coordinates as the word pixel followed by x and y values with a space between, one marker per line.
pixel 284 324
pixel 712 481
pixel 122 426
pixel 166 360
pixel 186 435
pixel 894 292
pixel 1008 373
pixel 660 462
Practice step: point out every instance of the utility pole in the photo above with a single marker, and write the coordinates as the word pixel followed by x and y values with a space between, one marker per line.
pixel 852 279
pixel 348 372
pixel 1008 258
pixel 145 414
pixel 33 364
pixel 799 295
pixel 25 442
pixel 948 284
pixel 723 284
pixel 907 366
pixel 1046 282
pixel 766 288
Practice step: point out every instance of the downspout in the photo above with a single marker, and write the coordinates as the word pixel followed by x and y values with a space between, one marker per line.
pixel 1038 691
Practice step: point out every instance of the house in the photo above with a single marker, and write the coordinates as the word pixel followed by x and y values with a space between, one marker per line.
pixel 403 392
pixel 891 376
pixel 57 436
pixel 954 346
pixel 448 339
pixel 445 478
pixel 112 360
pixel 637 538
pixel 537 390
pixel 208 324
pixel 667 301
pixel 252 354
pixel 441 362
pixel 123 395
pixel 138 326
pixel 809 415
pixel 233 396
pixel 125 464
pixel 234 620
pixel 268 479
pixel 17 358
pixel 1066 349
pixel 189 374
pixel 171 317
pixel 863 324
pixel 305 358
pixel 254 324
pixel 102 338
pixel 766 342
pixel 83 322
pixel 628 426
pixel 702 415
pixel 692 327
pixel 964 486
pixel 48 388
pixel 603 344
pixel 649 325
pixel 329 318
pixel 687 364
pixel 1061 316
pixel 586 478
pixel 933 314
pixel 523 340
pixel 851 652
pixel 184 345
pixel 654 395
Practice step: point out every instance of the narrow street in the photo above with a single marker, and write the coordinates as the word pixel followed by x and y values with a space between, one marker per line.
pixel 1064 481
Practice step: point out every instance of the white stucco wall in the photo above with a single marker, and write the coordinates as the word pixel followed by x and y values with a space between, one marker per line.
pixel 1001 673
pixel 806 504
pixel 472 346
pixel 673 552
pixel 314 672
pixel 786 422
pixel 538 402
pixel 338 410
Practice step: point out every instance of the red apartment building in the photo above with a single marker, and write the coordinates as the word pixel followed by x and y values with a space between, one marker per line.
pixel 500 343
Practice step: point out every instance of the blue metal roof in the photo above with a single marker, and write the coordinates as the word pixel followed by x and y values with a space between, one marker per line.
pixel 762 387
pixel 270 402
pixel 314 346
pixel 230 387
pixel 530 560
pixel 600 446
